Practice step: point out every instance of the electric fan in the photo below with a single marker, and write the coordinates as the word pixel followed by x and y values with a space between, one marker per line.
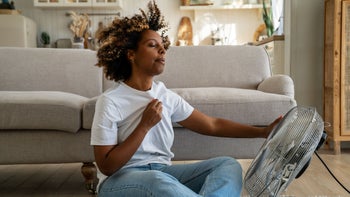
pixel 286 152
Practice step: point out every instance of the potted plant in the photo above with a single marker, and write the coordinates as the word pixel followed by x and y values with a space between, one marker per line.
pixel 45 39
pixel 79 27
pixel 267 16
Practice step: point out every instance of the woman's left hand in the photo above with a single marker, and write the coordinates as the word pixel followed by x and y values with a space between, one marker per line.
pixel 268 129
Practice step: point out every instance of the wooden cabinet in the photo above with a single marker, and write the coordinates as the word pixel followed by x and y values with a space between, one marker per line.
pixel 107 3
pixel 47 3
pixel 78 3
pixel 337 71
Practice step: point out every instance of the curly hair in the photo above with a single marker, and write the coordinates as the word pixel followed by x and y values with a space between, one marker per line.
pixel 124 34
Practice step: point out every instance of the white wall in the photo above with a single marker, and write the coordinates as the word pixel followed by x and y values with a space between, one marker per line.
pixel 304 36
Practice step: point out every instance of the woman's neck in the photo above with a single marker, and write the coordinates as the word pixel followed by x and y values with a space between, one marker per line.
pixel 139 83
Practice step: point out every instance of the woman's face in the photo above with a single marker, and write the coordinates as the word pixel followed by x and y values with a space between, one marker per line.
pixel 149 58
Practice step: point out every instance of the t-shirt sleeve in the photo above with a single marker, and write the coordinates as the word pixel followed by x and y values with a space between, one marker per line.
pixel 182 109
pixel 104 129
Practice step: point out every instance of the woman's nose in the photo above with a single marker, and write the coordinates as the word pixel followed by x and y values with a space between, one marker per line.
pixel 161 50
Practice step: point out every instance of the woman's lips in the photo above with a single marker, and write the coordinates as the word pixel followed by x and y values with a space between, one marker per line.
pixel 161 60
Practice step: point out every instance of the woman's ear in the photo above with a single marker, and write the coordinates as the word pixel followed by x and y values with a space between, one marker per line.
pixel 131 55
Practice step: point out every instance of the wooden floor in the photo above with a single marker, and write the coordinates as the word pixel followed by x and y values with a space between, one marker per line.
pixel 65 180
pixel 316 181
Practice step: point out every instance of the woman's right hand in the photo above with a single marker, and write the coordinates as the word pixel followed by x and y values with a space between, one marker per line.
pixel 152 114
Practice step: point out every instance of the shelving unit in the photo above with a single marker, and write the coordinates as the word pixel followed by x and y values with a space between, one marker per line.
pixel 217 8
pixel 112 4
pixel 222 7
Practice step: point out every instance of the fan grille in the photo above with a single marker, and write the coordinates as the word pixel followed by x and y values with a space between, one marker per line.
pixel 285 152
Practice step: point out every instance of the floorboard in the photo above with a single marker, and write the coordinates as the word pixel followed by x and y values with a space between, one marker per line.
pixel 66 180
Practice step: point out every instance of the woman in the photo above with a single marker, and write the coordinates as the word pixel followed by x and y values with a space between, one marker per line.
pixel 132 129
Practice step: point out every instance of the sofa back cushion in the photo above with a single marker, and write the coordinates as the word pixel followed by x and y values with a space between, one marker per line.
pixel 43 69
pixel 220 66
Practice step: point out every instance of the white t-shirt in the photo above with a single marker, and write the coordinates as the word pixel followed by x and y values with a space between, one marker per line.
pixel 119 110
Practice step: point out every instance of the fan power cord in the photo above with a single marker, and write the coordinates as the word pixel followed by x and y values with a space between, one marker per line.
pixel 330 172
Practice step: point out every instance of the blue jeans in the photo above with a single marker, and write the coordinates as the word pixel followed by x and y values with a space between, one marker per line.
pixel 217 177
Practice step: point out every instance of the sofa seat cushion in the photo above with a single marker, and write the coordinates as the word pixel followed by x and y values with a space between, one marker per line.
pixel 246 106
pixel 41 110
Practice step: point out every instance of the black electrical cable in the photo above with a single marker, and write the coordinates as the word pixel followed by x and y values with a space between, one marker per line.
pixel 330 172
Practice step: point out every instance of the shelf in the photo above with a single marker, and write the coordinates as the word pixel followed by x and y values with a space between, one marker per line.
pixel 222 7
pixel 269 39
pixel 109 4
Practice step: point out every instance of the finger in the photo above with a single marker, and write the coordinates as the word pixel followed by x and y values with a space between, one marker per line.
pixel 159 104
pixel 277 121
pixel 153 103
pixel 156 103
pixel 160 108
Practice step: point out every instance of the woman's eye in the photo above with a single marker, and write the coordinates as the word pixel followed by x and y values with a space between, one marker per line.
pixel 152 44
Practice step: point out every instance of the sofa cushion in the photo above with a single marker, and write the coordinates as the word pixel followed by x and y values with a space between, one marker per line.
pixel 50 69
pixel 41 110
pixel 246 106
pixel 220 66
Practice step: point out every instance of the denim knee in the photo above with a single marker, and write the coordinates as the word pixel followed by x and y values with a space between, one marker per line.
pixel 164 184
pixel 147 184
pixel 229 161
pixel 225 179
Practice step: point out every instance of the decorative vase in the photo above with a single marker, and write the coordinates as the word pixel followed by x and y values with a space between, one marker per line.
pixel 253 1
pixel 185 2
pixel 78 43
pixel 227 2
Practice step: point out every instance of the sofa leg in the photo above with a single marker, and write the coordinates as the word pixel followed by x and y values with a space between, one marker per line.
pixel 89 172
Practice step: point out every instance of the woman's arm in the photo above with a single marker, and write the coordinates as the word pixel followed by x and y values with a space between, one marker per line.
pixel 207 125
pixel 111 158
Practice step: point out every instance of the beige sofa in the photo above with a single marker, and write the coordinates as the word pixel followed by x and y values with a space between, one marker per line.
pixel 47 100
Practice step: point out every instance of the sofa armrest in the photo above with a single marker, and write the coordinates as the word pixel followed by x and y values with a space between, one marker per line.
pixel 89 112
pixel 278 84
